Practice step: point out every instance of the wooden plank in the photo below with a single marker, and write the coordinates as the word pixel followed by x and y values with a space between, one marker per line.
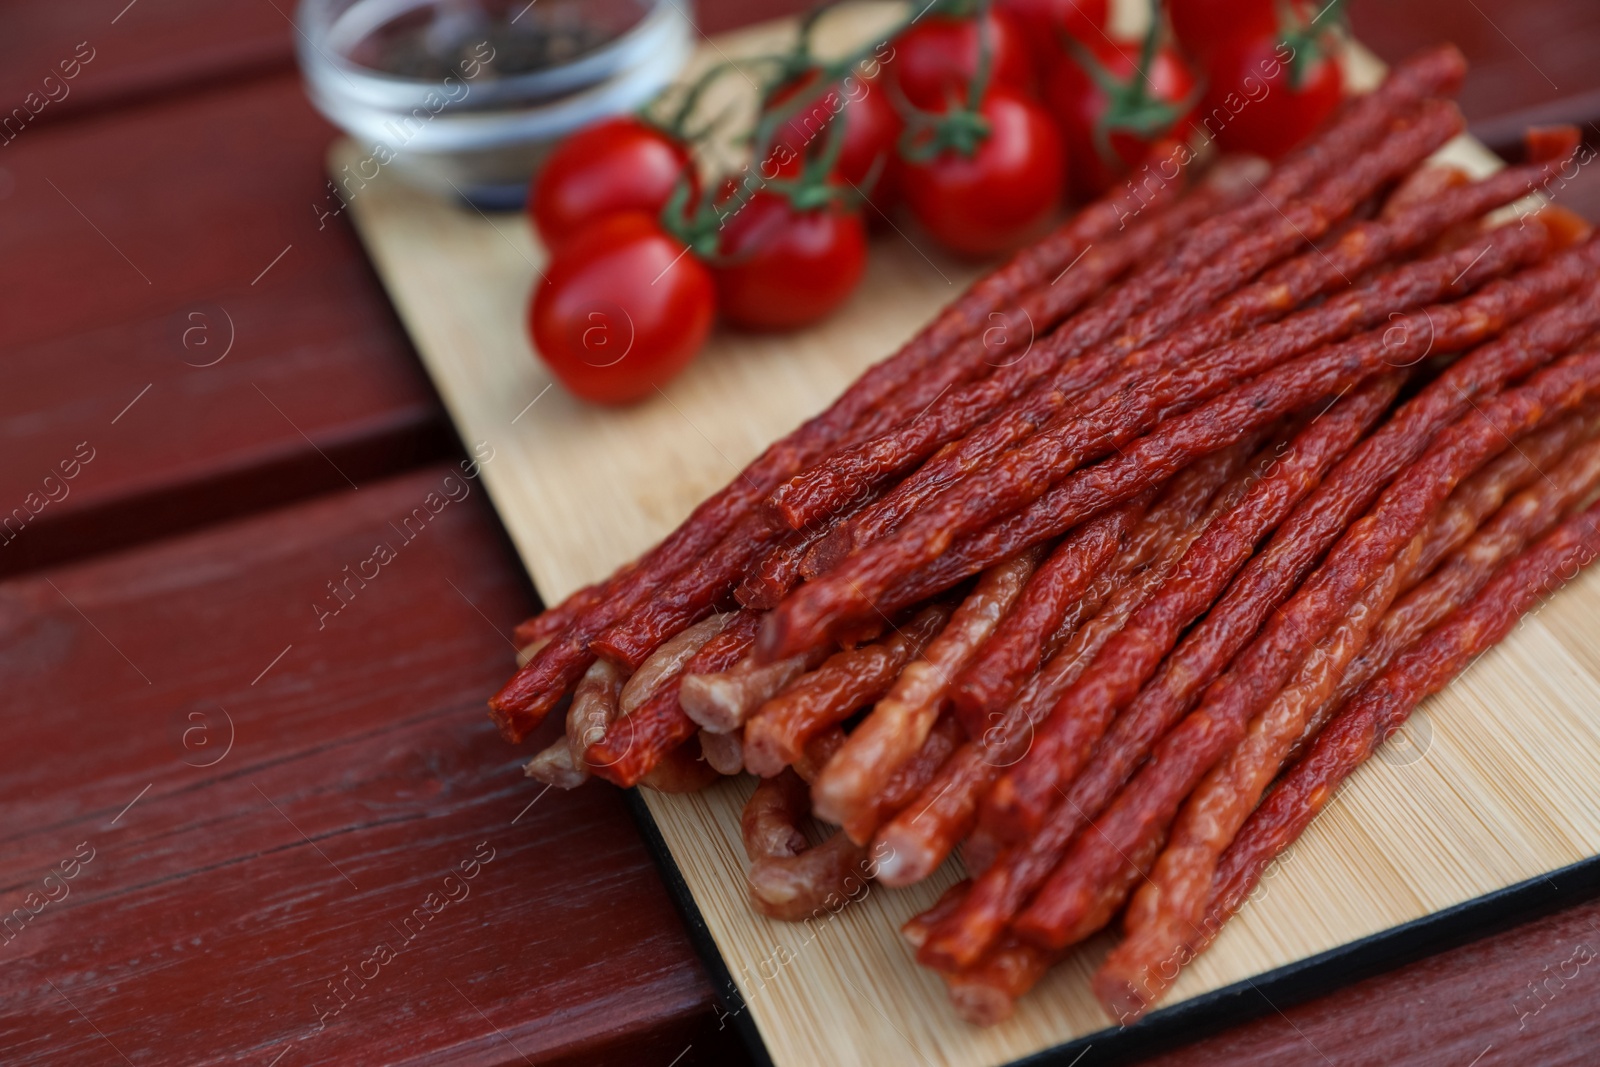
pixel 1529 62
pixel 211 358
pixel 127 52
pixel 145 49
pixel 231 882
pixel 1402 843
pixel 1526 996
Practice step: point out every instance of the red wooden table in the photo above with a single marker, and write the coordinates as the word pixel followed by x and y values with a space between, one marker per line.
pixel 230 835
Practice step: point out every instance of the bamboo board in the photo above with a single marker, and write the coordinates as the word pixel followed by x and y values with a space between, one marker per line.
pixel 1493 785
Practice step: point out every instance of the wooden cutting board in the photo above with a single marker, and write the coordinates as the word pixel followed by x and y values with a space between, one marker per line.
pixel 1488 806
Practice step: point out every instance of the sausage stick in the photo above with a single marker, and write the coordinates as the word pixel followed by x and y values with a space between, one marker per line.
pixel 900 722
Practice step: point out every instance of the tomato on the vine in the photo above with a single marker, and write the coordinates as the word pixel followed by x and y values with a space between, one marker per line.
pixel 621 309
pixel 986 196
pixel 1044 21
pixel 779 267
pixel 620 164
pixel 871 128
pixel 1110 113
pixel 1269 91
pixel 936 59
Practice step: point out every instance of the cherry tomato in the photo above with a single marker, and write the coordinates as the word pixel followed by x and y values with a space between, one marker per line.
pixel 621 309
pixel 619 164
pixel 1008 188
pixel 936 58
pixel 1044 21
pixel 781 268
pixel 1266 95
pixel 1109 114
pixel 871 129
pixel 1202 26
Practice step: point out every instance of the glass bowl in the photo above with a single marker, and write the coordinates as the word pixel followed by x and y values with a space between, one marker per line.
pixel 464 97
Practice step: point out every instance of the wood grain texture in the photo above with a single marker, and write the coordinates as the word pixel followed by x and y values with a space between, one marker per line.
pixel 140 51
pixel 152 48
pixel 1530 63
pixel 248 385
pixel 1484 805
pixel 1425 1014
pixel 1523 997
pixel 360 774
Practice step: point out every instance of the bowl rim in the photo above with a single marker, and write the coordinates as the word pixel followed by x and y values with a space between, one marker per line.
pixel 326 67
pixel 448 130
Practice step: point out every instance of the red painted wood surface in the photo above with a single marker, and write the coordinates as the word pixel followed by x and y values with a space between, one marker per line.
pixel 1530 62
pixel 146 48
pixel 298 789
pixel 207 924
pixel 1522 998
pixel 128 52
pixel 170 257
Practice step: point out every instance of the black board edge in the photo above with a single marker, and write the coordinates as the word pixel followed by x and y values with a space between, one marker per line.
pixel 729 1001
pixel 1220 1009
pixel 1344 965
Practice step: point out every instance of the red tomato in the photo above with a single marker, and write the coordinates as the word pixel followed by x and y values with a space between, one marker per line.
pixel 619 164
pixel 1043 21
pixel 871 129
pixel 621 309
pixel 1258 101
pixel 1108 130
pixel 1202 26
pixel 781 268
pixel 935 59
pixel 1007 189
